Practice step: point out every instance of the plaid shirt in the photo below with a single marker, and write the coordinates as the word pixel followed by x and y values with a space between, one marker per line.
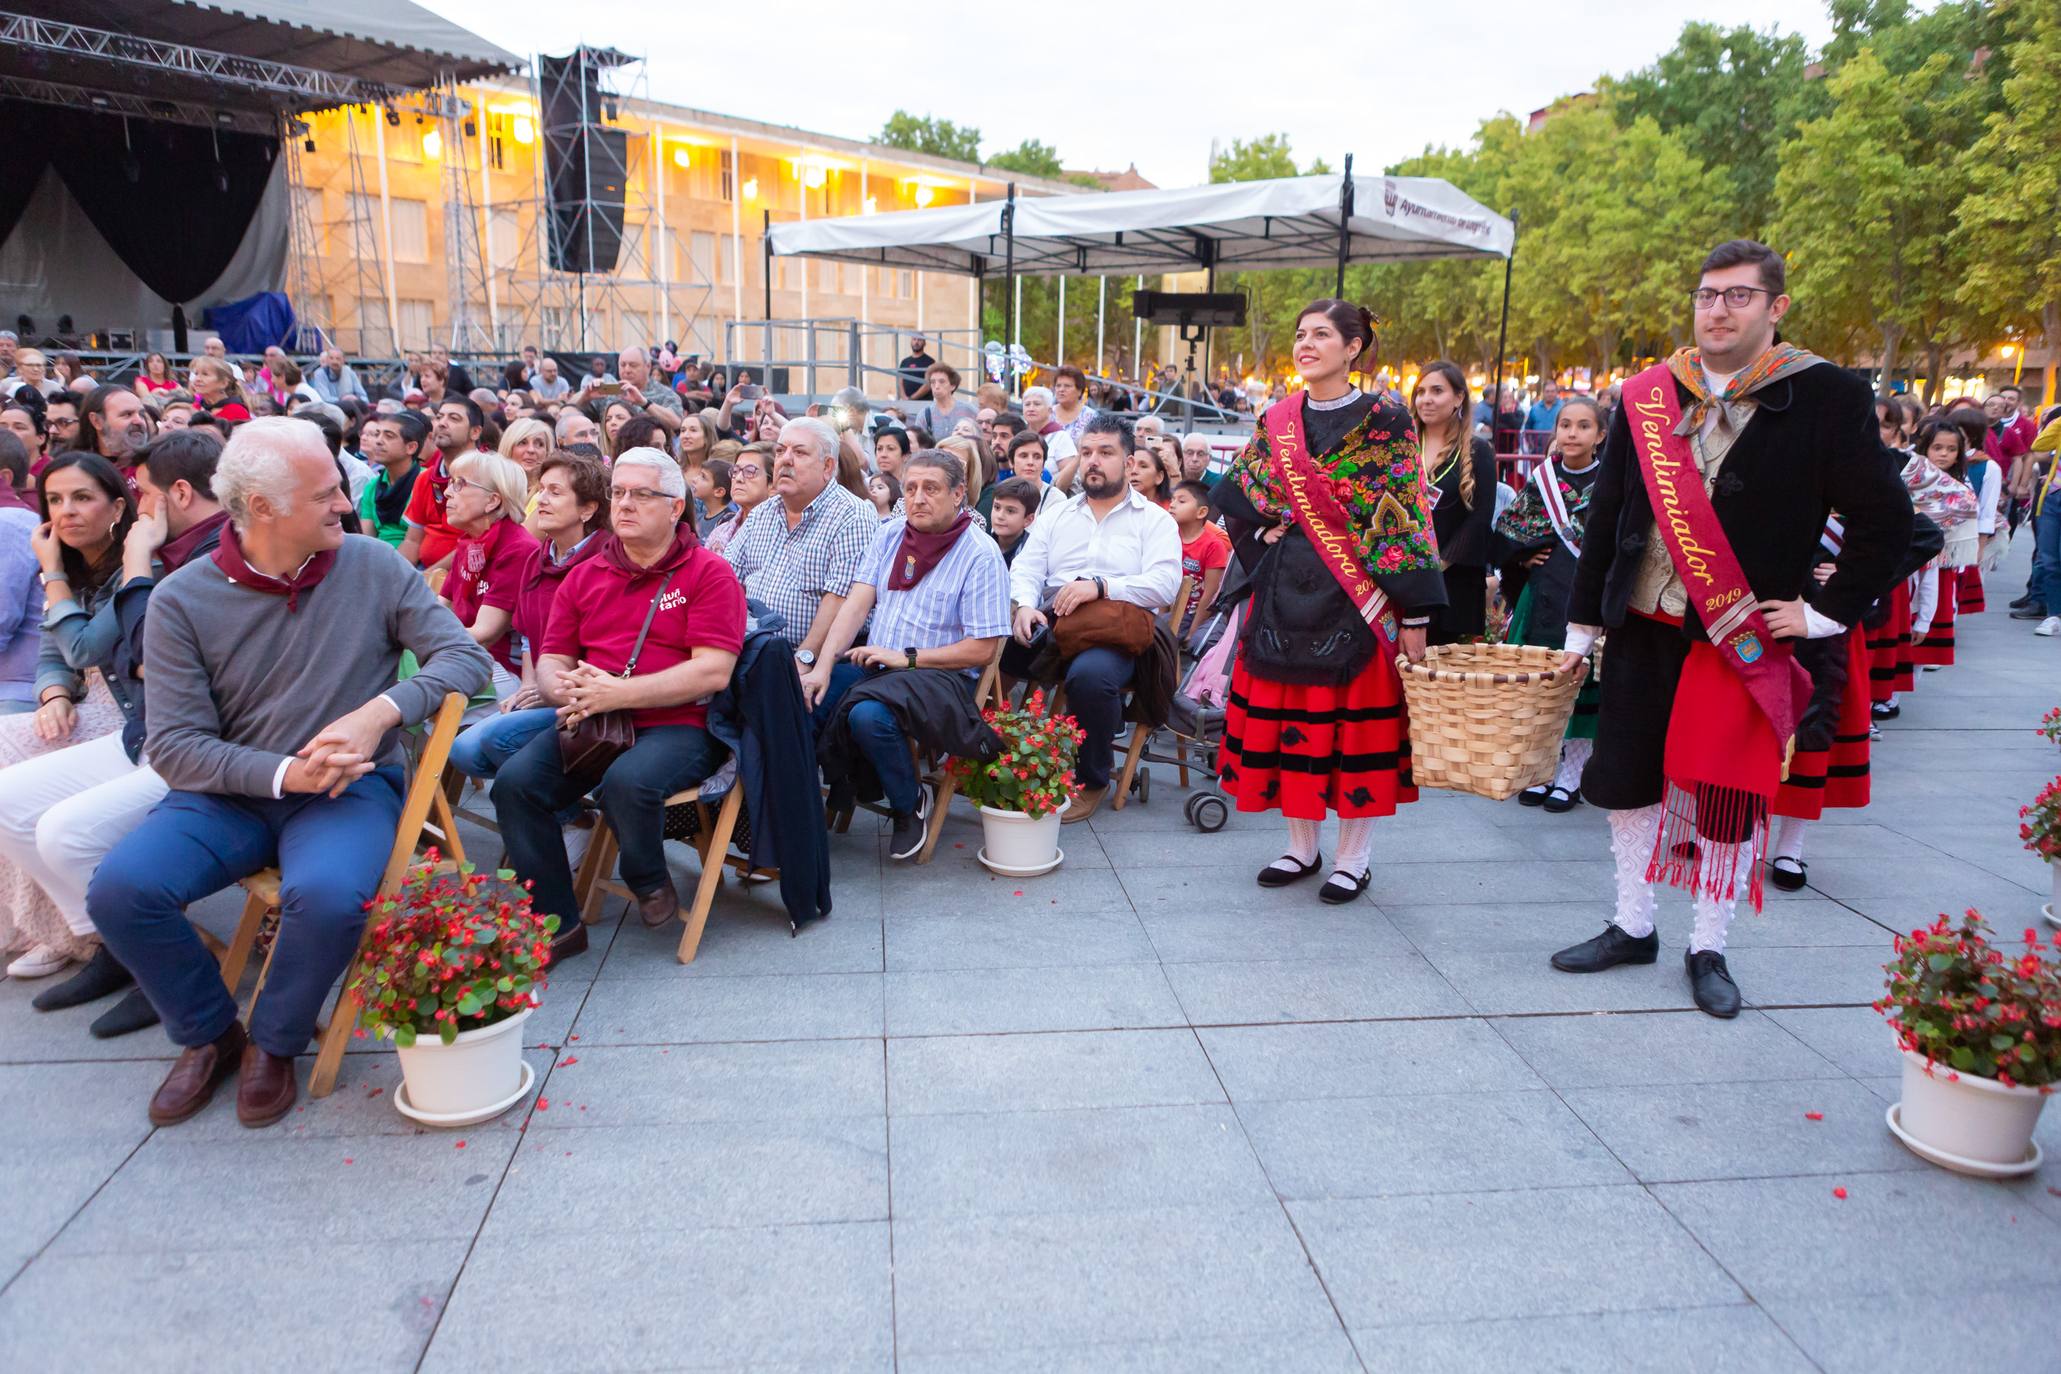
pixel 791 570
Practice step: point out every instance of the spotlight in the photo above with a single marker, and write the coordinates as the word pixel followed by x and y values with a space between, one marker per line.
pixel 432 144
pixel 308 146
pixel 393 117
pixel 525 131
pixel 610 110
pixel 471 129
pixel 681 157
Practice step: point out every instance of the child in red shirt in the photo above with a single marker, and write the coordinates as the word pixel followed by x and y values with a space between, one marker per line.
pixel 1205 552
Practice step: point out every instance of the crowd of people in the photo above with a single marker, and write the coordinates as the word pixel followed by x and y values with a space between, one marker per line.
pixel 229 593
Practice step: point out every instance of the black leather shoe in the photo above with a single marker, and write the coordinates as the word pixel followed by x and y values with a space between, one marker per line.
pixel 2021 603
pixel 1710 982
pixel 1788 874
pixel 1608 950
pixel 1885 710
pixel 1534 796
pixel 1271 876
pixel 1342 887
pixel 1560 801
pixel 2034 611
pixel 133 1013
pixel 102 975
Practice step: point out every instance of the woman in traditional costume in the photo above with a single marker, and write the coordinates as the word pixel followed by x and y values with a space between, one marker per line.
pixel 1328 512
pixel 1460 474
pixel 1537 543
pixel 1934 476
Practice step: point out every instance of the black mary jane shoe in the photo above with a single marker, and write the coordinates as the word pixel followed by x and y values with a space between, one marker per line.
pixel 1560 801
pixel 1342 887
pixel 1271 876
pixel 1788 874
pixel 1883 710
pixel 1534 796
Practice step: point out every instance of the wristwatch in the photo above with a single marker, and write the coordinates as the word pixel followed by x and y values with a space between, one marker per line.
pixel 805 657
pixel 912 656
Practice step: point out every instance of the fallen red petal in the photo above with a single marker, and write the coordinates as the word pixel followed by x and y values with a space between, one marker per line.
pixel 1839 1193
pixel 1017 893
pixel 349 1160
pixel 568 1061
pixel 543 1104
pixel 572 1037
pixel 1813 1116
pixel 459 1146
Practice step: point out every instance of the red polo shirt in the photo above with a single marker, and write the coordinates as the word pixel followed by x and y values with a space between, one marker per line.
pixel 602 604
pixel 426 508
pixel 541 578
pixel 487 571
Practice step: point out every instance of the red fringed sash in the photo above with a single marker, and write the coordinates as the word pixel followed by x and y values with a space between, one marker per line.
pixel 1735 711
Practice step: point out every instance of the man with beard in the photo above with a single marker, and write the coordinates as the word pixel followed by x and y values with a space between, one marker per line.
pixel 115 425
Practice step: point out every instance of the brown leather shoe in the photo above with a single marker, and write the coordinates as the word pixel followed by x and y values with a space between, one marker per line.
pixel 191 1084
pixel 656 908
pixel 1084 805
pixel 569 944
pixel 265 1087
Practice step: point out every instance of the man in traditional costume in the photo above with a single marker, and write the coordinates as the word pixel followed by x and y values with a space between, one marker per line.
pixel 1741 446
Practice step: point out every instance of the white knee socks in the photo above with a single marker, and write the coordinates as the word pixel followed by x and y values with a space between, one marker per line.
pixel 1788 838
pixel 1574 754
pixel 1714 914
pixel 1302 846
pixel 1355 845
pixel 1632 834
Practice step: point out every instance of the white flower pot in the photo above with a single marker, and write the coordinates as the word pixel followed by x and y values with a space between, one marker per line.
pixel 2051 912
pixel 478 1075
pixel 1020 846
pixel 1965 1119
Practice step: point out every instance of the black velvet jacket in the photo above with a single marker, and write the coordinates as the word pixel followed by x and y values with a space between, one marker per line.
pixel 1811 447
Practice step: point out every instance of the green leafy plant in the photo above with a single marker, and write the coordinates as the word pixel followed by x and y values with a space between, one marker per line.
pixel 1034 772
pixel 450 952
pixel 1967 1005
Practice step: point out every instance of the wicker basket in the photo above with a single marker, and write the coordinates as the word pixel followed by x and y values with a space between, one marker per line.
pixel 1487 718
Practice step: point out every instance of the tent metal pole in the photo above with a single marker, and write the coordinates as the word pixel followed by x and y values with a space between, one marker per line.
pixel 1014 301
pixel 1345 230
pixel 1059 348
pixel 1101 305
pixel 1502 333
pixel 766 248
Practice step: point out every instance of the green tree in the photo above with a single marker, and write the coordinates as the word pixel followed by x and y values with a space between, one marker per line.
pixel 2009 229
pixel 929 134
pixel 1031 158
pixel 1271 298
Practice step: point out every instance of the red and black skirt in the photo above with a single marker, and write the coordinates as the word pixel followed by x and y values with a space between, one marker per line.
pixel 1834 778
pixel 1937 648
pixel 1308 750
pixel 1888 643
pixel 1972 601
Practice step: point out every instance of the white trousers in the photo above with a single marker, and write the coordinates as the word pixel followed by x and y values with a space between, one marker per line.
pixel 62 811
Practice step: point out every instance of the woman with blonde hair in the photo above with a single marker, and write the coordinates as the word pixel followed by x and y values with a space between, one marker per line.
pixel 698 440
pixel 972 452
pixel 484 503
pixel 527 443
pixel 217 389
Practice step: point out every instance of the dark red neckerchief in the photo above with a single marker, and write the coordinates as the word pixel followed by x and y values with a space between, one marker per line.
pixel 920 552
pixel 10 497
pixel 229 558
pixel 176 552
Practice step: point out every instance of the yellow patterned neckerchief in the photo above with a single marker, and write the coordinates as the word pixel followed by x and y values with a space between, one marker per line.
pixel 1782 360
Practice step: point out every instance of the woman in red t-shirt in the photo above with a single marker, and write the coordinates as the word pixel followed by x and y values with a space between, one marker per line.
pixel 484 503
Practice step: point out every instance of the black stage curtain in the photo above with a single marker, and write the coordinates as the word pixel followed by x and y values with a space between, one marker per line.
pixel 172 200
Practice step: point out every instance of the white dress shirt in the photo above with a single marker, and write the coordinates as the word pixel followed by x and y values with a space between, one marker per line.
pixel 1136 549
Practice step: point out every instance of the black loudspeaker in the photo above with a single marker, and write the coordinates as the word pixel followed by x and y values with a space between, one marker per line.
pixel 778 383
pixel 1190 309
pixel 586 163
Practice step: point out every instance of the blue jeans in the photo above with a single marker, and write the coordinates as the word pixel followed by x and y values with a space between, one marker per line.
pixel 2046 532
pixel 481 749
pixel 879 736
pixel 1095 683
pixel 330 853
pixel 531 791
pixel 842 676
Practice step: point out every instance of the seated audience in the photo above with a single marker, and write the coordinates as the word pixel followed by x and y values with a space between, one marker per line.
pixel 1010 514
pixel 393 445
pixel 457 424
pixel 1205 553
pixel 576 426
pixel 484 503
pixel 21 595
pixel 885 493
pixel 709 484
pixel 527 443
pixel 751 482
pixel 308 779
pixel 649 580
pixel 1029 457
pixel 1106 544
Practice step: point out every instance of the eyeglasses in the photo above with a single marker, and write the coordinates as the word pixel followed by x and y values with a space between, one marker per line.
pixel 462 484
pixel 1736 297
pixel 748 470
pixel 635 496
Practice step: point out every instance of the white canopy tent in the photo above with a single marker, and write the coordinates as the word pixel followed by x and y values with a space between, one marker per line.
pixel 1310 221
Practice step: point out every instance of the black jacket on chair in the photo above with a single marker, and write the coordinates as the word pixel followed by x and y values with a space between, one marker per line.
pixel 934 707
pixel 1811 447
pixel 762 717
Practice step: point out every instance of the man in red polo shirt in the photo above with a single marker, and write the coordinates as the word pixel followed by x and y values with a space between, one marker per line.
pixel 456 426
pixel 649 570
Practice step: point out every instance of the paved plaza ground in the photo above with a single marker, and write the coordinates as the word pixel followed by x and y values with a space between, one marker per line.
pixel 1138 1115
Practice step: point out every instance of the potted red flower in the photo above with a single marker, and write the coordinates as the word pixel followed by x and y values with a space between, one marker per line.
pixel 1980 1031
pixel 452 967
pixel 2039 824
pixel 1022 791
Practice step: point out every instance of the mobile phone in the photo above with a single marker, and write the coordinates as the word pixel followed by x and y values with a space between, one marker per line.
pixel 751 391
pixel 608 388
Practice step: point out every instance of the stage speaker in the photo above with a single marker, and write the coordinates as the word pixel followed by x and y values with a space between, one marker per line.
pixel 1190 309
pixel 586 163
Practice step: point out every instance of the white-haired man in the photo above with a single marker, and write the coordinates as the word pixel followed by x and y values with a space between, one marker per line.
pixel 650 624
pixel 798 555
pixel 333 379
pixel 275 715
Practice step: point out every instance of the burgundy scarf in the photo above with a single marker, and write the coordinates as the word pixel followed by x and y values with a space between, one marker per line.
pixel 176 552
pixel 920 552
pixel 229 558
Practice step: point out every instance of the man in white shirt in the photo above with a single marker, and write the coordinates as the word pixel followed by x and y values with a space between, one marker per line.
pixel 545 383
pixel 1105 542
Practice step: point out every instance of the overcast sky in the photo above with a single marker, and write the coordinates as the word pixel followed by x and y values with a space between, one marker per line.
pixel 1117 82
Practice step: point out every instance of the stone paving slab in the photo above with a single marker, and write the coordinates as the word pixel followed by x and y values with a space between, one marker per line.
pixel 1137 1115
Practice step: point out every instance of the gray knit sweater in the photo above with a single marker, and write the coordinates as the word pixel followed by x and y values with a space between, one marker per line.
pixel 234 683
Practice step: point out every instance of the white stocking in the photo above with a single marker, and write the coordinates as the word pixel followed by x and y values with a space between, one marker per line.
pixel 1632 834
pixel 1302 846
pixel 1789 835
pixel 1714 914
pixel 1355 845
pixel 1573 755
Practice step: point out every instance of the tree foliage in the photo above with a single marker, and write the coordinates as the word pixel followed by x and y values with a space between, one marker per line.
pixel 929 134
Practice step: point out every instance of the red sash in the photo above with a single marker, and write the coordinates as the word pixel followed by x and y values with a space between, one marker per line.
pixel 1311 501
pixel 1736 707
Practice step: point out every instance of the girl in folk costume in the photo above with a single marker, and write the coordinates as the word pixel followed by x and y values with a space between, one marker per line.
pixel 1460 471
pixel 1829 768
pixel 1537 544
pixel 1887 629
pixel 1937 492
pixel 1986 478
pixel 1327 512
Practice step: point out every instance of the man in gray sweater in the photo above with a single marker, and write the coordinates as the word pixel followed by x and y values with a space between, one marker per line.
pixel 274 717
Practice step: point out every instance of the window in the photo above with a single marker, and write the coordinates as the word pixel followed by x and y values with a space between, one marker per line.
pixel 411 229
pixel 418 323
pixel 905 284
pixel 504 238
pixel 703 268
pixel 726 259
pixel 729 176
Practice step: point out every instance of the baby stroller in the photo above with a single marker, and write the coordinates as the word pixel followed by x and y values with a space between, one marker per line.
pixel 1197 718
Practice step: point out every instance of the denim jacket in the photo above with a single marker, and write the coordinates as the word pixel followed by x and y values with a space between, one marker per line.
pixel 76 638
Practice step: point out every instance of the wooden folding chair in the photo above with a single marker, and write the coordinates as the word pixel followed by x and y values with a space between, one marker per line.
pixel 713 831
pixel 424 811
pixel 1140 732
